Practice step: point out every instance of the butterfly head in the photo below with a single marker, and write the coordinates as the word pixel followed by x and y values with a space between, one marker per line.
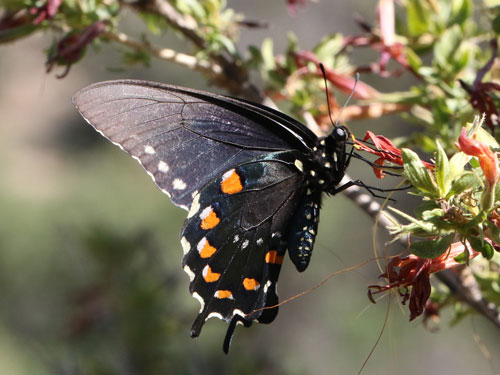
pixel 331 159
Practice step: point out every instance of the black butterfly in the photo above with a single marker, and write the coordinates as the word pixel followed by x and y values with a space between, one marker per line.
pixel 250 177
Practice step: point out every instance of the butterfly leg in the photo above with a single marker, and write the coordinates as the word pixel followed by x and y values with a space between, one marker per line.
pixel 370 189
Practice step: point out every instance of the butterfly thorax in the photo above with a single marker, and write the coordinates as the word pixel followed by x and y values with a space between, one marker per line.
pixel 330 160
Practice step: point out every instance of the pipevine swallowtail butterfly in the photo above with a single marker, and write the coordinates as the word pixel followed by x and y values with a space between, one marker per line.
pixel 250 177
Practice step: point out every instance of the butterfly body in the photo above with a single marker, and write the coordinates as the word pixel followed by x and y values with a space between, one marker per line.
pixel 250 177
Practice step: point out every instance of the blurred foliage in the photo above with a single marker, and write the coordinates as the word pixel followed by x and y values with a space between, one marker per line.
pixel 118 319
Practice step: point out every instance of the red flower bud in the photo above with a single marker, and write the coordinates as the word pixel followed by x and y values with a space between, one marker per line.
pixel 487 158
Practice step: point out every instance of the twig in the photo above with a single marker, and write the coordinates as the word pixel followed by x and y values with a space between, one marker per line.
pixel 167 54
pixel 372 110
pixel 234 78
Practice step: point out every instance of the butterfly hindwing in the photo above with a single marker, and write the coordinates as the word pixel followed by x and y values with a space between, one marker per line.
pixel 234 238
pixel 183 138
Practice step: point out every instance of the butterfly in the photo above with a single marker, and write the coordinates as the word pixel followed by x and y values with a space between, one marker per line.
pixel 250 177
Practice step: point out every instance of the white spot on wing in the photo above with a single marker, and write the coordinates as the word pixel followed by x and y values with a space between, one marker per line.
pixel 195 206
pixel 206 211
pixel 163 167
pixel 299 165
pixel 260 241
pixel 201 244
pixel 190 273
pixel 267 285
pixel 226 175
pixel 186 246
pixel 178 184
pixel 216 295
pixel 200 299
pixel 244 244
pixel 239 312
pixel 166 192
pixel 149 150
pixel 236 238
pixel 214 315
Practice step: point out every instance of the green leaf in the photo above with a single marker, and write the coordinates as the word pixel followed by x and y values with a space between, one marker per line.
pixel 431 249
pixel 462 257
pixel 491 3
pixel 495 24
pixel 131 58
pixel 227 43
pixel 427 228
pixel 413 59
pixel 447 46
pixel 494 232
pixel 481 246
pixel 417 173
pixel 417 17
pixel 461 11
pixel 484 136
pixel 329 47
pixel 442 170
pixel 192 7
pixel 155 23
pixel 474 163
pixel 461 59
pixel 255 57
pixel 268 54
pixel 430 214
pixel 425 206
pixel 467 181
pixel 488 251
pixel 457 164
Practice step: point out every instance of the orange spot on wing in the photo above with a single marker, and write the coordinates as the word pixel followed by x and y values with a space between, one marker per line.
pixel 250 284
pixel 210 221
pixel 273 258
pixel 207 251
pixel 223 294
pixel 231 183
pixel 210 276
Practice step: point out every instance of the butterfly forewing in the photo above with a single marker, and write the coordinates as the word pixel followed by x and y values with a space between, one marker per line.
pixel 182 138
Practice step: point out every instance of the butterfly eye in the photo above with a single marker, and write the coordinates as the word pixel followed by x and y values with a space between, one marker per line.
pixel 339 134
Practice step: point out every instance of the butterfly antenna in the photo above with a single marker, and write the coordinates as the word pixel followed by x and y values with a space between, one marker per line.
pixel 336 122
pixel 323 72
pixel 356 79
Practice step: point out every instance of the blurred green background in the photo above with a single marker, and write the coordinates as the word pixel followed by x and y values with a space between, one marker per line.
pixel 90 276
